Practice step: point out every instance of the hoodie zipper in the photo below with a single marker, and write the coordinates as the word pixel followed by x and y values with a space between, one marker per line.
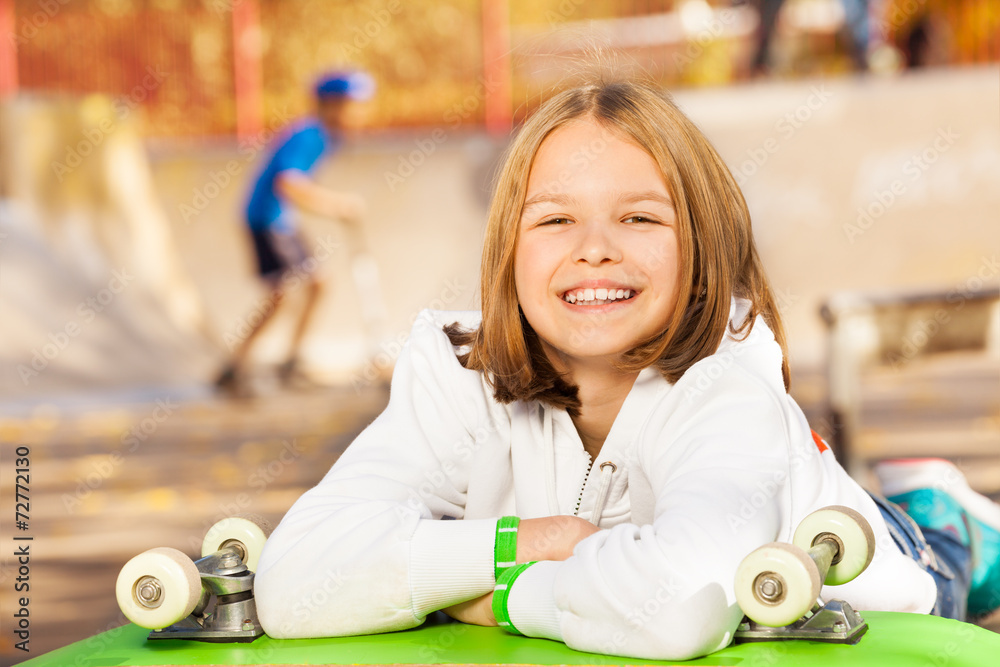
pixel 607 469
pixel 586 476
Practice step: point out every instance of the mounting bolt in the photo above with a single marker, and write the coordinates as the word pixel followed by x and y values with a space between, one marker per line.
pixel 247 625
pixel 839 626
pixel 229 560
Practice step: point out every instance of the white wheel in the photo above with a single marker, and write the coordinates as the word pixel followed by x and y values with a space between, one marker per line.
pixel 158 587
pixel 248 532
pixel 777 584
pixel 853 534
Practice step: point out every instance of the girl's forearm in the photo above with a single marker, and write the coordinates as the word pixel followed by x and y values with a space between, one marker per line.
pixel 551 537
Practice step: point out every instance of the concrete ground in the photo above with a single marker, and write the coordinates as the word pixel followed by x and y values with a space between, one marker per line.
pixel 110 482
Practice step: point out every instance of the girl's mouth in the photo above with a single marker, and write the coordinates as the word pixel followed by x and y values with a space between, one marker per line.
pixel 597 296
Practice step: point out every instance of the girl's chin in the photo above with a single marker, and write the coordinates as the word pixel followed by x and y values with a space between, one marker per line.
pixel 572 351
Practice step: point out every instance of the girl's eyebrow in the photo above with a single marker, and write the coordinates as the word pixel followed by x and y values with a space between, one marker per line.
pixel 647 195
pixel 548 198
pixel 623 198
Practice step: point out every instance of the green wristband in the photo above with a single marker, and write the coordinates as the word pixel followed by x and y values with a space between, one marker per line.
pixel 502 591
pixel 505 546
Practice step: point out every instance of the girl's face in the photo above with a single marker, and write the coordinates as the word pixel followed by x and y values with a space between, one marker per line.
pixel 597 265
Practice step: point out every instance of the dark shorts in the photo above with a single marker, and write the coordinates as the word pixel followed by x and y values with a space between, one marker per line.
pixel 278 252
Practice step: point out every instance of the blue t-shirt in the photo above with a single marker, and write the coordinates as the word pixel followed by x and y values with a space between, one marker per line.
pixel 300 148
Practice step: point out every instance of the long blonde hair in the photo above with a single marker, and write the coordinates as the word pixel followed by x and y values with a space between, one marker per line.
pixel 717 251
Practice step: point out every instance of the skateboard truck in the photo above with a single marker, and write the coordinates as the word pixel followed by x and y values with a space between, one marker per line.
pixel 234 616
pixel 835 622
pixel 208 600
pixel 778 585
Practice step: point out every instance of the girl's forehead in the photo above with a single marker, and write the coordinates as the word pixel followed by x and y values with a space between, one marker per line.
pixel 586 154
pixel 582 133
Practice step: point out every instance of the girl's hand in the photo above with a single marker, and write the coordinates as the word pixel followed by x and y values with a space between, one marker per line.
pixel 477 611
pixel 551 537
pixel 547 538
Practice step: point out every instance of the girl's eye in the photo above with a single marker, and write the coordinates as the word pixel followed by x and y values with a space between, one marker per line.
pixel 639 218
pixel 554 221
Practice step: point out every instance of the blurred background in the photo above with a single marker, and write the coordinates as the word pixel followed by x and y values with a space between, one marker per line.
pixel 865 135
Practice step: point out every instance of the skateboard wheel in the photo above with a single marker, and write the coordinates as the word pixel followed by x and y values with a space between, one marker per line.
pixel 851 531
pixel 247 532
pixel 777 584
pixel 158 588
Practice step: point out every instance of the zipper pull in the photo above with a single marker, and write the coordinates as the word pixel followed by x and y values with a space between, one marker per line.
pixel 607 470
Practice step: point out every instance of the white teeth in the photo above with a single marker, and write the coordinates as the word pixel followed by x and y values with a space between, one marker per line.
pixel 596 297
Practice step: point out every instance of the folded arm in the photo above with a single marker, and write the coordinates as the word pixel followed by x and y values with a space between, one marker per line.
pixel 367 550
pixel 665 590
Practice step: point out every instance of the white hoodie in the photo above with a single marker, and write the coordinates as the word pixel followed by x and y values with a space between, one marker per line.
pixel 692 477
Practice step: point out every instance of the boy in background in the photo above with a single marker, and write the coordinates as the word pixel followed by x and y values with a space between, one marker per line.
pixel 283 186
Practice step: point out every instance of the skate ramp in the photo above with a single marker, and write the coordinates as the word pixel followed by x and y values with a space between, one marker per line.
pixel 94 293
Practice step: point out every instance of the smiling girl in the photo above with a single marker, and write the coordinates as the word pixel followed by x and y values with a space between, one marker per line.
pixel 612 433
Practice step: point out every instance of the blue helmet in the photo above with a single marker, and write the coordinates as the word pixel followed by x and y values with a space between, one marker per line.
pixel 353 85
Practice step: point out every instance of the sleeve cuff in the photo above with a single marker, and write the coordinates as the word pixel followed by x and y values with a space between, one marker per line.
pixel 531 603
pixel 450 561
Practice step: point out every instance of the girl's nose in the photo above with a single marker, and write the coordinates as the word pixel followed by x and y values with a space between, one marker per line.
pixel 596 245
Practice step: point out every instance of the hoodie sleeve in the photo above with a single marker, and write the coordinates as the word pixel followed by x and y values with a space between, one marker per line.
pixel 366 551
pixel 717 466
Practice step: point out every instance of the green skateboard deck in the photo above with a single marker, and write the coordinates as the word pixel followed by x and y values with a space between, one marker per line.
pixel 893 639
